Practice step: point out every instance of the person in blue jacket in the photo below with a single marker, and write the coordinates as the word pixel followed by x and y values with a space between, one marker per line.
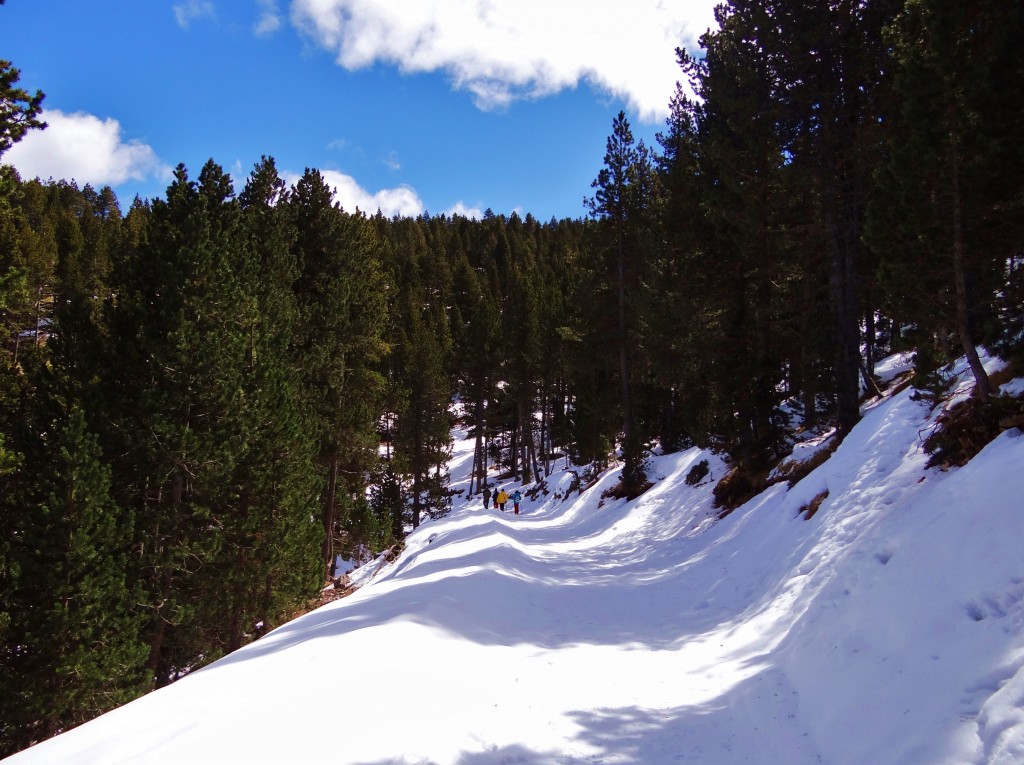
pixel 517 497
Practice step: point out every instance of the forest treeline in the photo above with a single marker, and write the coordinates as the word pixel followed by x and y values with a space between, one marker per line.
pixel 207 398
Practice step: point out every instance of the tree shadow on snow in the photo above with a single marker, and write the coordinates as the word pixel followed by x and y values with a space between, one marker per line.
pixel 506 594
pixel 505 581
pixel 755 719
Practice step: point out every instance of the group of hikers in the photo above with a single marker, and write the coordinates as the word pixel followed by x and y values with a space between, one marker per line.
pixel 501 498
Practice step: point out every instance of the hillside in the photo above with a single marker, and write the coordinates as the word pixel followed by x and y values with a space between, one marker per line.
pixel 885 629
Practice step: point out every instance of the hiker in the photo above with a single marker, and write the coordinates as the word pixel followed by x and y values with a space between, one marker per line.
pixel 516 499
pixel 501 499
pixel 487 497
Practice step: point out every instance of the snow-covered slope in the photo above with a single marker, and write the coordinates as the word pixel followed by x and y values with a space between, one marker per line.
pixel 889 628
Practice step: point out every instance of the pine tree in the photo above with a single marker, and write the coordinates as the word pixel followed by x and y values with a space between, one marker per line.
pixel 739 267
pixel 271 562
pixel 830 66
pixel 524 368
pixel 183 324
pixel 624 195
pixel 682 351
pixel 477 358
pixel 424 427
pixel 342 293
pixel 19 110
pixel 946 187
pixel 79 650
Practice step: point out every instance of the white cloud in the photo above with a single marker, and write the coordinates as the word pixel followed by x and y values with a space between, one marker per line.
pixel 402 201
pixel 459 208
pixel 86 149
pixel 502 51
pixel 239 175
pixel 190 10
pixel 269 20
pixel 391 161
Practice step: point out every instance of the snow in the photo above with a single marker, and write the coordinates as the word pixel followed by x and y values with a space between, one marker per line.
pixel 888 628
pixel 899 363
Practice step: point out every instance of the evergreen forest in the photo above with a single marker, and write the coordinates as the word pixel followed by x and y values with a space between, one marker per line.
pixel 208 399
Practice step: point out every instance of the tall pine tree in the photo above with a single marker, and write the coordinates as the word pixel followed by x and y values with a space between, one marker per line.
pixel 623 198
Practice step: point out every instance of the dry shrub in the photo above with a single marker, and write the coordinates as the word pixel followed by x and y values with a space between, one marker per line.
pixel 968 427
pixel 1003 376
pixel 698 473
pixel 738 486
pixel 618 492
pixel 811 507
pixel 794 471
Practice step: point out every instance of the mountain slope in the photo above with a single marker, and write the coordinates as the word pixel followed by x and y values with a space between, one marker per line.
pixel 886 629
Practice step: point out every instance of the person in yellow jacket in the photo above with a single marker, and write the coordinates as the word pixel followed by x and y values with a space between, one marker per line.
pixel 502 499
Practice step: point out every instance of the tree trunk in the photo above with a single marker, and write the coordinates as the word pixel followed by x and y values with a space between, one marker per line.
pixel 845 314
pixel 631 458
pixel 329 517
pixel 156 644
pixel 486 454
pixel 526 437
pixel 532 455
pixel 417 505
pixel 544 425
pixel 867 367
pixel 982 386
pixel 479 450
pixel 265 624
pixel 870 332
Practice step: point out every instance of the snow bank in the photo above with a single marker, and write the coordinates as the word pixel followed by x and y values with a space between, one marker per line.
pixel 886 629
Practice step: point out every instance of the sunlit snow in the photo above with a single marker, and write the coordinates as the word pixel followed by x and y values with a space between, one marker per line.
pixel 889 628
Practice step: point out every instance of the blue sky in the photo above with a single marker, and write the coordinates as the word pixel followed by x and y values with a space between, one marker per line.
pixel 411 106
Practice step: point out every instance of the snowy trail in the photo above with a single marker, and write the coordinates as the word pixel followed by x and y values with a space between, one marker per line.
pixel 887 629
